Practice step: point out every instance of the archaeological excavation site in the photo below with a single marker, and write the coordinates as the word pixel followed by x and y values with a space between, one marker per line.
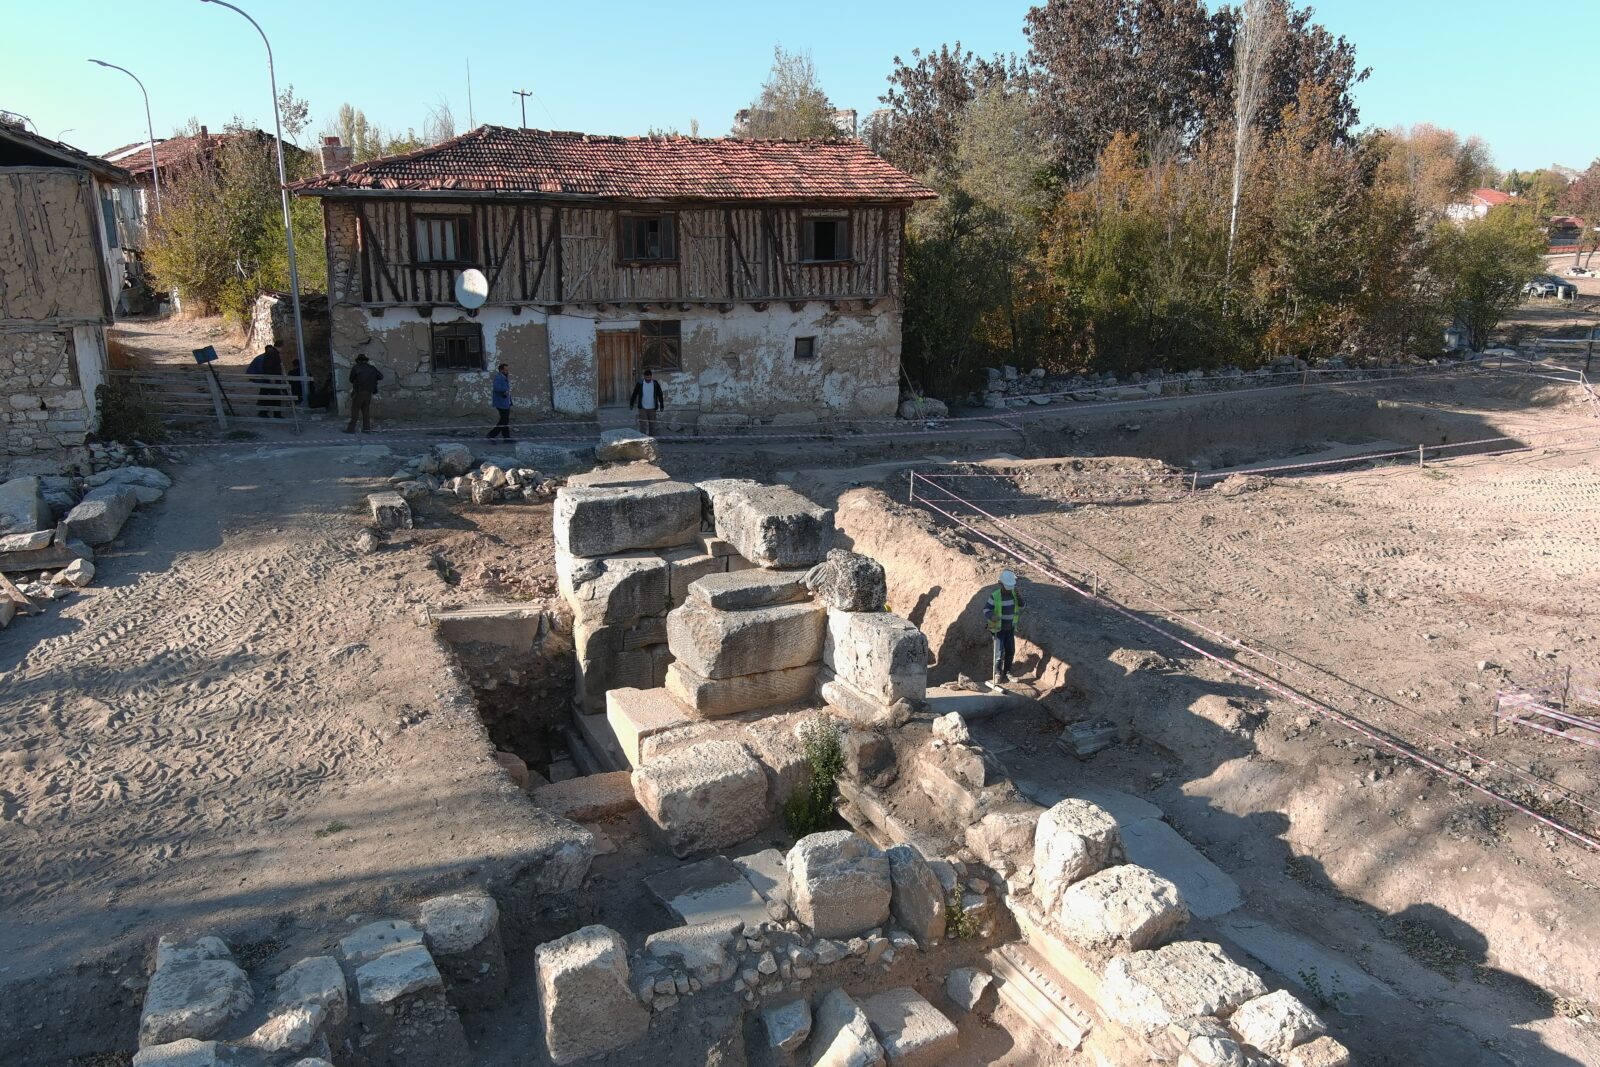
pixel 685 750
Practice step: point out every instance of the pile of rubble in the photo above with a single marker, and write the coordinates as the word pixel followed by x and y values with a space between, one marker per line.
pixel 1007 387
pixel 451 468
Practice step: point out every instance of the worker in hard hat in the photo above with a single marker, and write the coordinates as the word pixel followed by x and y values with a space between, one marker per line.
pixel 1001 609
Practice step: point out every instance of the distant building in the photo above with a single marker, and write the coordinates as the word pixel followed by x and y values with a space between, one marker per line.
pixel 1477 204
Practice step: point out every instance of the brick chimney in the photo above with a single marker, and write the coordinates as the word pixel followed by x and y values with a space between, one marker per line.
pixel 336 156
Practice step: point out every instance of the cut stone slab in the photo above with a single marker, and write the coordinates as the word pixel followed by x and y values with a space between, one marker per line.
pixel 707 891
pixel 374 939
pixel 1149 990
pixel 913 1032
pixel 607 520
pixel 396 974
pixel 787 1024
pixel 704 796
pixel 771 525
pixel 27 542
pixel 1073 840
pixel 1276 1023
pixel 584 996
pixel 171 949
pixel 597 735
pixel 860 709
pixel 765 871
pixel 839 883
pixel 707 952
pixel 554 458
pixel 1003 838
pixel 1207 890
pixel 973 707
pixel 717 697
pixel 614 590
pixel 1291 956
pixel 971 990
pixel 78 573
pixel 635 714
pixel 842 1036
pixel 463 934
pixel 739 590
pixel 1320 1052
pixel 22 506
pixel 98 518
pixel 849 581
pixel 588 798
pixel 1121 909
pixel 917 899
pixel 777 746
pixel 688 565
pixel 390 510
pixel 729 644
pixel 624 445
pixel 40 559
pixel 453 460
pixel 310 1000
pixel 185 1053
pixel 878 654
pixel 193 998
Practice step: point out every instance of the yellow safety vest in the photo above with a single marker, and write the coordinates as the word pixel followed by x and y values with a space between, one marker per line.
pixel 995 619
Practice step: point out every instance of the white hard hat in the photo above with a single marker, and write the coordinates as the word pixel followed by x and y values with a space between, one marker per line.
pixel 1008 579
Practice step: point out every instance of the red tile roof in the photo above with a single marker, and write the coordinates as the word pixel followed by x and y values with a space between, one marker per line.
pixel 496 159
pixel 1492 197
pixel 135 157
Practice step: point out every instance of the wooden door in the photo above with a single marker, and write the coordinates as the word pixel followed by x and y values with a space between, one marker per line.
pixel 617 356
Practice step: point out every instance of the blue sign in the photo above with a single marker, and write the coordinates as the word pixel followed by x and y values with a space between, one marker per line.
pixel 208 354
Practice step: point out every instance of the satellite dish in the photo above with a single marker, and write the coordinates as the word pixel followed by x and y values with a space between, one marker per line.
pixel 472 288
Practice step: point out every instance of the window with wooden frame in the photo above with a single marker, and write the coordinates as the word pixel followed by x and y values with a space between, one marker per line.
pixel 647 238
pixel 805 348
pixel 662 344
pixel 824 240
pixel 441 238
pixel 458 346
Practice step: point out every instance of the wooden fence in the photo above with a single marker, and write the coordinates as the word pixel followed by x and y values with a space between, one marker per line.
pixel 207 393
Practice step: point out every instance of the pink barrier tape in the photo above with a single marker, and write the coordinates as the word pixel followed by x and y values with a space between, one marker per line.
pixel 1371 733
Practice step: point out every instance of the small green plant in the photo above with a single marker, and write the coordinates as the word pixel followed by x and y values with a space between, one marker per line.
pixel 334 827
pixel 958 925
pixel 124 415
pixel 810 809
pixel 1328 999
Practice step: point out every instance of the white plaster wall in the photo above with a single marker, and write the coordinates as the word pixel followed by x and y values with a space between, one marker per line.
pixel 573 383
pixel 89 346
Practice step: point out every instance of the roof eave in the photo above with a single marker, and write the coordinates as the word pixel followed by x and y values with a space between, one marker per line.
pixel 350 193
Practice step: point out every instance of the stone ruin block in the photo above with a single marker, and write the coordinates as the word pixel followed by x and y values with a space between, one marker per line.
pixel 609 657
pixel 376 938
pixel 839 883
pixel 404 1017
pixel 636 714
pixel 605 520
pixel 771 525
pixel 687 566
pixel 614 590
pixel 187 1052
pixel 588 798
pixel 584 997
pixel 841 1035
pixel 309 1012
pixel 1003 838
pixel 971 990
pixel 1073 840
pixel 739 590
pixel 98 518
pixel 390 510
pixel 731 644
pixel 913 1032
pixel 1277 1023
pixel 1150 990
pixel 1121 909
pixel 917 899
pixel 462 931
pixel 704 796
pixel 716 697
pixel 849 581
pixel 878 654
pixel 707 952
pixel 1318 1052
pixel 858 708
pixel 787 1025
pixel 196 990
pixel 623 445
pixel 22 506
pixel 776 744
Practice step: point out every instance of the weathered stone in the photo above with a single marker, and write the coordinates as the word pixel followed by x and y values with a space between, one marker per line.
pixel 193 998
pixel 186 1052
pixel 636 714
pixel 839 883
pixel 147 477
pixel 849 581
pixel 310 1003
pixel 862 710
pixel 716 697
pixel 706 891
pixel 98 518
pixel 22 507
pixel 877 653
pixel 765 871
pixel 918 408
pixel 787 1024
pixel 917 900
pixel 376 938
pixel 842 1036
pixel 588 798
pixel 730 644
pixel 624 445
pixel 515 768
pixel 390 510
pixel 869 757
pixel 609 657
pixel 170 949
pixel 33 542
pixel 584 996
pixel 395 974
pixel 1073 839
pixel 463 934
pixel 1321 1052
pixel 971 990
pixel 405 1017
pixel 612 590
pixel 913 1032
pixel 704 796
pixel 707 952
pixel 1003 838
pixel 453 460
pixel 604 520
pixel 555 458
pixel 952 728
pixel 1146 991
pixel 1121 909
pixel 78 573
pixel 777 747
pixel 1276 1023
pixel 770 525
pixel 688 565
pixel 756 588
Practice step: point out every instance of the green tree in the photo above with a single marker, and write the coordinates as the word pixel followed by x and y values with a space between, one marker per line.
pixel 1483 264
pixel 791 103
pixel 1582 199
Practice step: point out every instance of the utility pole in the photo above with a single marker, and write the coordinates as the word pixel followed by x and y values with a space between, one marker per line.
pixel 524 93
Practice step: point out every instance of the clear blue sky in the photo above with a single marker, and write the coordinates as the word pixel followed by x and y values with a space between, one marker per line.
pixel 1477 66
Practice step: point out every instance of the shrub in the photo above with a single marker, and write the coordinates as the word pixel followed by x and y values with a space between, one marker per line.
pixel 810 809
pixel 124 415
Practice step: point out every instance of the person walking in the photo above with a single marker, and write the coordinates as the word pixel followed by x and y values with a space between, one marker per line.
pixel 1001 609
pixel 364 379
pixel 269 392
pixel 649 399
pixel 502 402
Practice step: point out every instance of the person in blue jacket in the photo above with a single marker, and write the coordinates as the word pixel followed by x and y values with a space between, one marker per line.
pixel 502 402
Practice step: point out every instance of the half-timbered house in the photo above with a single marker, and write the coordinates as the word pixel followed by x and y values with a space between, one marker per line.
pixel 758 279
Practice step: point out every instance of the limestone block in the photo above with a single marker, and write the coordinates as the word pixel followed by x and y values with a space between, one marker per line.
pixel 738 590
pixel 765 871
pixel 687 566
pixel 707 952
pixel 462 931
pixel 624 445
pixel 777 746
pixel 397 973
pixel 193 998
pixel 704 796
pixel 554 458
pixel 32 542
pixel 376 938
pixel 862 710
pixel 98 518
pixel 923 408
pixel 1121 909
pixel 869 757
pixel 170 949
pixel 149 477
pixel 588 798
pixel 515 767
pixel 971 990
pixel 729 644
pixel 603 520
pixel 917 900
pixel 716 697
pixel 1149 990
pixel 584 997
pixel 22 507
pixel 1276 1023
pixel 1003 838
pixel 405 1019
pixel 1073 839
pixel 787 1025
pixel 952 727
pixel 184 1053
pixel 770 525
pixel 1321 1052
pixel 841 1036
pixel 613 590
pixel 913 1032
pixel 878 654
pixel 310 1006
pixel 839 883
pixel 849 581
pixel 453 460
pixel 635 714
pixel 606 660
pixel 390 510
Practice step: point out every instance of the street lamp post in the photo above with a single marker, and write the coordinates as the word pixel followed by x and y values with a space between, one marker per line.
pixel 149 127
pixel 288 223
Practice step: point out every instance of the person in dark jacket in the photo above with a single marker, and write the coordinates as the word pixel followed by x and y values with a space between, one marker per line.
pixel 649 399
pixel 501 398
pixel 364 379
pixel 269 393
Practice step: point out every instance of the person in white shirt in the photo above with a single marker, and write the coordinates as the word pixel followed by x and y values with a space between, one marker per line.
pixel 649 399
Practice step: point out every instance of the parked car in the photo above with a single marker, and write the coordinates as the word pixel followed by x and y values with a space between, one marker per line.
pixel 1550 285
pixel 1538 287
